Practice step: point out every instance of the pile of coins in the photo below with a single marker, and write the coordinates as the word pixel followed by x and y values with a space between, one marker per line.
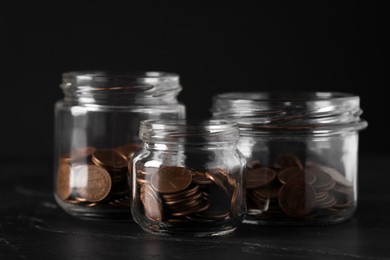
pixel 96 177
pixel 175 194
pixel 290 190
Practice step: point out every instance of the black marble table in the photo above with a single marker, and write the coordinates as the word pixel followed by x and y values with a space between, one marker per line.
pixel 32 226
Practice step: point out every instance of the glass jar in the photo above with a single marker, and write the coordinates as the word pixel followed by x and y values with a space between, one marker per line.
pixel 301 151
pixel 96 134
pixel 188 178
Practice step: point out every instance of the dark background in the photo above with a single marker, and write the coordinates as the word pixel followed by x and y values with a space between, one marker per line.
pixel 291 45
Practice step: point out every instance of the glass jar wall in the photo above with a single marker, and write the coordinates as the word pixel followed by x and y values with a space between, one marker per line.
pixel 302 153
pixel 188 178
pixel 96 135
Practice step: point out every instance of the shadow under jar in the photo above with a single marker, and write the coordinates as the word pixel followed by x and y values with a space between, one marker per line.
pixel 96 135
pixel 188 178
pixel 301 151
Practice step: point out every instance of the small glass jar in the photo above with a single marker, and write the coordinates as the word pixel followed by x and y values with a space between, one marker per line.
pixel 301 151
pixel 96 134
pixel 188 178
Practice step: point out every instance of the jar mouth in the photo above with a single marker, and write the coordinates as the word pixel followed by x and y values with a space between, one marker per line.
pixel 290 111
pixel 283 96
pixel 123 86
pixel 191 131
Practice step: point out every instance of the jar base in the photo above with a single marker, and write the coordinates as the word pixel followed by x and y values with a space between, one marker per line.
pixel 190 228
pixel 269 220
pixel 95 213
pixel 208 233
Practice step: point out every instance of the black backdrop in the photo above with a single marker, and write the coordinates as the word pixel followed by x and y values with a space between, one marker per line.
pixel 291 45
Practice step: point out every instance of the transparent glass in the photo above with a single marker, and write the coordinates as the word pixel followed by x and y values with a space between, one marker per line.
pixel 301 151
pixel 96 135
pixel 188 178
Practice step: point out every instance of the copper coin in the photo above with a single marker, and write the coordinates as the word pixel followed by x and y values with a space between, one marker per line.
pixel 64 177
pixel 269 191
pixel 171 179
pixel 336 175
pixel 297 198
pixel 200 178
pixel 293 173
pixel 181 195
pixel 289 160
pixel 184 200
pixel 196 209
pixel 93 182
pixel 259 177
pixel 219 177
pixel 323 180
pixel 152 206
pixel 109 158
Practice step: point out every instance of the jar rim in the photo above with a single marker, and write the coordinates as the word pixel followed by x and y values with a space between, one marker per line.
pixel 288 111
pixel 284 96
pixel 190 131
pixel 122 74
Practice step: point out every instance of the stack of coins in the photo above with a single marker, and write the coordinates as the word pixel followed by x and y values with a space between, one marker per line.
pixel 289 189
pixel 95 177
pixel 175 194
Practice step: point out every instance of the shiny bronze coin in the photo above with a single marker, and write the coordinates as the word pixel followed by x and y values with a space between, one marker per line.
pixel 234 202
pixel 195 196
pixel 297 198
pixel 190 191
pixel 218 176
pixel 200 178
pixel 336 175
pixel 192 210
pixel 109 158
pixel 93 182
pixel 259 177
pixel 324 181
pixel 289 160
pixel 294 173
pixel 64 186
pixel 152 206
pixel 171 179
pixel 269 191
pixel 290 174
pixel 327 201
pixel 186 206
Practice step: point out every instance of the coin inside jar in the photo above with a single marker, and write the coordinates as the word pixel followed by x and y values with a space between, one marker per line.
pixel 297 198
pixel 259 177
pixel 171 179
pixel 64 185
pixel 93 182
pixel 109 158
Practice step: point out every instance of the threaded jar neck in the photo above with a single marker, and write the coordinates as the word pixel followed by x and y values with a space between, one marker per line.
pixel 189 132
pixel 121 88
pixel 315 112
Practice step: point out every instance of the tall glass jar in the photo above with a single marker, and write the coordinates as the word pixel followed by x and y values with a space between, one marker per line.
pixel 302 153
pixel 96 134
pixel 188 178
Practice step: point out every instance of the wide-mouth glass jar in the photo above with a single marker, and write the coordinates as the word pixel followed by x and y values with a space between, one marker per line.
pixel 96 135
pixel 302 154
pixel 188 178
